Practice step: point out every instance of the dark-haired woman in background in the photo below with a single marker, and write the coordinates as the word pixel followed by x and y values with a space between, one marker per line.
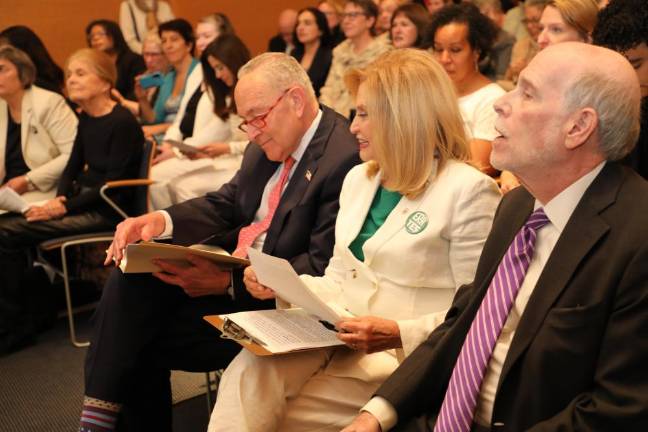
pixel 623 27
pixel 48 74
pixel 178 43
pixel 313 45
pixel 459 36
pixel 212 130
pixel 106 36
pixel 408 25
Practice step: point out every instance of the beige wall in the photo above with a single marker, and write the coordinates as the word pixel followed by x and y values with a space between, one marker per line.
pixel 61 23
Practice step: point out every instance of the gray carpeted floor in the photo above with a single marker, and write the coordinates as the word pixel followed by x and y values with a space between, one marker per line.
pixel 41 387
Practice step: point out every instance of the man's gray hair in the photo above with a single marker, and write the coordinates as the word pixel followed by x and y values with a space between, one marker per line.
pixel 617 109
pixel 280 71
pixel 535 3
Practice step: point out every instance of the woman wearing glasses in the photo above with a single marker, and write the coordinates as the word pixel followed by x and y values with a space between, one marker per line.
pixel 412 221
pixel 360 48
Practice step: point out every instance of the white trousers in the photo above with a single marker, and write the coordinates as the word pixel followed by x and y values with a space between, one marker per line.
pixel 177 180
pixel 289 392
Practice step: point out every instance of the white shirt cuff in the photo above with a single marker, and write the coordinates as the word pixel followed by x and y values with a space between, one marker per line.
pixel 383 411
pixel 168 225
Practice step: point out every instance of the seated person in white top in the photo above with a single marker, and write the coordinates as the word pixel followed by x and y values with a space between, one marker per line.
pixel 460 36
pixel 411 225
pixel 37 129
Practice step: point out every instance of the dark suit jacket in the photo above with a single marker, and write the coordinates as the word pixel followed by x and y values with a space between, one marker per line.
pixel 320 67
pixel 277 44
pixel 578 360
pixel 302 229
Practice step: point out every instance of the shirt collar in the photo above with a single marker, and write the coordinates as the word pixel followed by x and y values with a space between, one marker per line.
pixel 307 137
pixel 561 207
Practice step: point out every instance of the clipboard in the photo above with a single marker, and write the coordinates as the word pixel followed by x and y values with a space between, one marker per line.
pixel 230 330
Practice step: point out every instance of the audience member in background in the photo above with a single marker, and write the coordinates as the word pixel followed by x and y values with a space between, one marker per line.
pixel 146 324
pixel 283 41
pixel 408 25
pixel 386 10
pixel 333 9
pixel 37 129
pixel 567 21
pixel 414 147
pixel 105 36
pixel 313 46
pixel 435 5
pixel 155 62
pixel 497 62
pixel 513 20
pixel 49 75
pixel 207 29
pixel 359 49
pixel 527 47
pixel 623 27
pixel 138 18
pixel 107 146
pixel 552 335
pixel 212 130
pixel 460 36
pixel 177 45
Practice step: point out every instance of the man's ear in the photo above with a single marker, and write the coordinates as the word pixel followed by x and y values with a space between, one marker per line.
pixel 580 127
pixel 297 98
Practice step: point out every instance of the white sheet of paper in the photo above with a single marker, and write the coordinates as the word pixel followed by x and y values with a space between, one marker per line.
pixel 279 275
pixel 12 201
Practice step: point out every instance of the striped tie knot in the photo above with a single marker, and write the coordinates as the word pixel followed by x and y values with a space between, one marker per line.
pixel 537 220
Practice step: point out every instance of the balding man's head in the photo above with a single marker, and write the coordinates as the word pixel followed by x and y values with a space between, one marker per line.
pixel 287 22
pixel 575 106
pixel 605 81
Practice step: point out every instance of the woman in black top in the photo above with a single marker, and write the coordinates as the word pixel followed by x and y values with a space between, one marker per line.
pixel 313 45
pixel 106 36
pixel 108 146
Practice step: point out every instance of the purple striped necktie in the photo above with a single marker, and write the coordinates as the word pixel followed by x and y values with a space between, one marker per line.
pixel 460 400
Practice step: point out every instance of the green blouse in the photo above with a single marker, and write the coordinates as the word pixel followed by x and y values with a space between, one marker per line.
pixel 383 203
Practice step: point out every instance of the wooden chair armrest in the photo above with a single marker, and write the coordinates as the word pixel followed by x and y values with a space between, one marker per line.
pixel 128 182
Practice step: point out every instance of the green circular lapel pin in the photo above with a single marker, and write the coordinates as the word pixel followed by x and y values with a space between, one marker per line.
pixel 416 222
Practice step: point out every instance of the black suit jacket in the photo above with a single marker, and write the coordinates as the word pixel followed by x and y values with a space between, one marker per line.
pixel 277 44
pixel 302 229
pixel 319 69
pixel 578 360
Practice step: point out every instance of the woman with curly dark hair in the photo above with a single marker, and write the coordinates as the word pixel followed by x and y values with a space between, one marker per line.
pixel 623 27
pixel 459 36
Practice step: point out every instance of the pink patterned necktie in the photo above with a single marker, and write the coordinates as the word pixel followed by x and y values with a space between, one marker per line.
pixel 248 234
pixel 460 400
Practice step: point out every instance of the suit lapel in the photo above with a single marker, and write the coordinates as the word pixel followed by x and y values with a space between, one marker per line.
pixel 300 180
pixel 25 121
pixel 251 200
pixel 582 232
pixel 4 123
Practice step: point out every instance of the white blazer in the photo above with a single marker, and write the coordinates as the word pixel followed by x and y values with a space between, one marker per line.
pixel 426 249
pixel 47 132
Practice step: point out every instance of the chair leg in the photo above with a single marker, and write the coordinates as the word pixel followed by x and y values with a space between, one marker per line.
pixel 68 301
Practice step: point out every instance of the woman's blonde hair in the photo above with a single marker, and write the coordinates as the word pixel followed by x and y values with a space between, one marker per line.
pixel 579 14
pixel 414 113
pixel 99 62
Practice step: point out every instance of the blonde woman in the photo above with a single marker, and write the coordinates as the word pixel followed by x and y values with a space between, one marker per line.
pixel 137 18
pixel 567 21
pixel 412 222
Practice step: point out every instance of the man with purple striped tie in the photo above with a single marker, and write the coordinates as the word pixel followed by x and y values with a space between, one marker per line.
pixel 552 335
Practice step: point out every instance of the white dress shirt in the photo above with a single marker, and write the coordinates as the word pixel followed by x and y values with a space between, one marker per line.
pixel 559 211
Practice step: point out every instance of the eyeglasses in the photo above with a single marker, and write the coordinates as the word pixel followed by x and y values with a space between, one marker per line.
pixel 259 122
pixel 151 54
pixel 352 15
pixel 528 21
pixel 97 35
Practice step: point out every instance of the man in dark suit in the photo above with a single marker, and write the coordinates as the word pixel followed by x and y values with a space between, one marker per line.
pixel 288 185
pixel 564 345
pixel 283 41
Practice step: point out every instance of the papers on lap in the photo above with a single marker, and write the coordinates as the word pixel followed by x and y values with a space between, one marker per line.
pixel 277 331
pixel 138 257
pixel 12 201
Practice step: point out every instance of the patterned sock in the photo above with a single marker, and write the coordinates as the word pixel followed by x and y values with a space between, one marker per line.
pixel 98 415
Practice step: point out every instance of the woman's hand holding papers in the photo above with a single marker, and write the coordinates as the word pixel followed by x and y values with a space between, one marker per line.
pixel 370 334
pixel 253 286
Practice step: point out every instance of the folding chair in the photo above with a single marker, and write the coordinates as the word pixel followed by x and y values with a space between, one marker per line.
pixel 62 243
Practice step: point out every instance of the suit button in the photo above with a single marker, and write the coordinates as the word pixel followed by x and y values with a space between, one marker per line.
pixel 354 273
pixel 498 424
